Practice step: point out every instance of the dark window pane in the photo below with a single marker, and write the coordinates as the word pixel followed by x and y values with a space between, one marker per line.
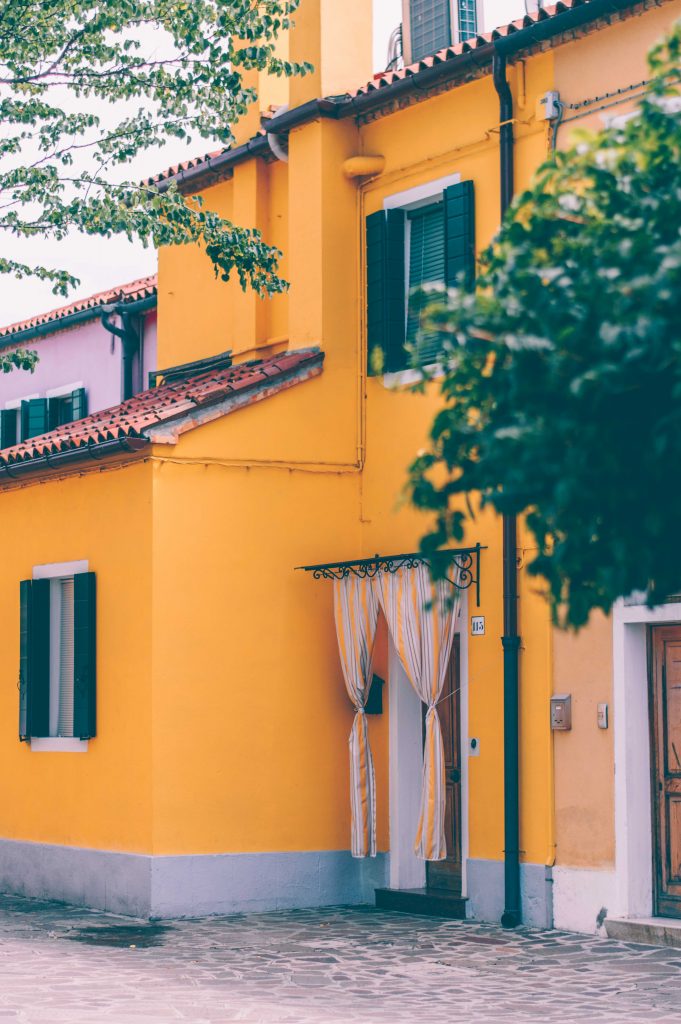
pixel 426 266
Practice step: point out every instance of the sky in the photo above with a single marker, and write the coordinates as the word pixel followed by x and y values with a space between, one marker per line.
pixel 102 263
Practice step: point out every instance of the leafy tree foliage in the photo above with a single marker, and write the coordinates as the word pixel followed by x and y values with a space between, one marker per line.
pixel 562 389
pixel 86 85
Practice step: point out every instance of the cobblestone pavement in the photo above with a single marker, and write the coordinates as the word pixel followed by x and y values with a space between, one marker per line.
pixel 60 965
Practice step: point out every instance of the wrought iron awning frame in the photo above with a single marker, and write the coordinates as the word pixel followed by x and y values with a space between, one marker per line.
pixel 467 560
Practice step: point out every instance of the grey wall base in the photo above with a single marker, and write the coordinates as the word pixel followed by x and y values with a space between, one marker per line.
pixel 485 888
pixel 188 886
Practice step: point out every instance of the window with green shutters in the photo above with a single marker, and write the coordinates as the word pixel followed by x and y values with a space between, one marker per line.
pixel 57 657
pixel 39 415
pixel 430 25
pixel 407 249
pixel 67 408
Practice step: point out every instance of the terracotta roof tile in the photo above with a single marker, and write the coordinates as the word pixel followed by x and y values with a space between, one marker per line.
pixel 160 404
pixel 196 161
pixel 142 288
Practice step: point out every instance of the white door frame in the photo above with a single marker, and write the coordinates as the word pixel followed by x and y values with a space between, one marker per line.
pixel 633 811
pixel 407 871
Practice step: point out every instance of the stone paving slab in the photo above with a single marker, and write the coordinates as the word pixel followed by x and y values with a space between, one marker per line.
pixel 63 965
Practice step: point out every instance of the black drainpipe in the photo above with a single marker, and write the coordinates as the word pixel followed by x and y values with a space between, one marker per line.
pixel 512 915
pixel 130 335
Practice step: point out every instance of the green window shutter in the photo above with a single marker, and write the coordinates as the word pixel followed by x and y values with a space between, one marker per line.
pixel 85 655
pixel 460 233
pixel 34 419
pixel 54 413
pixel 8 428
pixel 24 659
pixel 34 659
pixel 79 403
pixel 430 27
pixel 426 266
pixel 385 289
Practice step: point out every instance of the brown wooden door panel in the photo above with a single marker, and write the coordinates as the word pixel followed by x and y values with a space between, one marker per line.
pixel 673 824
pixel 446 874
pixel 665 708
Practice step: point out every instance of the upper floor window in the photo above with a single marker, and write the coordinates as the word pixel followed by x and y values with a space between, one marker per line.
pixel 425 236
pixel 431 25
pixel 34 415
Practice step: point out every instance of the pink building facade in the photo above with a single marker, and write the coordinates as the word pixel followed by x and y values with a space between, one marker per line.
pixel 92 354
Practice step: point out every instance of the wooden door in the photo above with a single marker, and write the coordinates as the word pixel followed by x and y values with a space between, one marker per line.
pixel 446 874
pixel 665 717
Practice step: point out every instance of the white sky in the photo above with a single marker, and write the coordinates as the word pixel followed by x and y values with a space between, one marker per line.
pixel 103 263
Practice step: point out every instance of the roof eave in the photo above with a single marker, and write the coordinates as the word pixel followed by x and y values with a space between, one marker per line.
pixel 472 61
pixel 49 462
pixel 170 430
pixel 75 319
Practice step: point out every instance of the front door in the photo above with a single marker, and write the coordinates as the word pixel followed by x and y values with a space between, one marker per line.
pixel 666 767
pixel 446 874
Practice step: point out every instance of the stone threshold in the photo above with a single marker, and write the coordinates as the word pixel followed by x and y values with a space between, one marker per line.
pixel 431 902
pixel 651 931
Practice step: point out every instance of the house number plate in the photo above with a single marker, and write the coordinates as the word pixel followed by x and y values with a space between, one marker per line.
pixel 477 625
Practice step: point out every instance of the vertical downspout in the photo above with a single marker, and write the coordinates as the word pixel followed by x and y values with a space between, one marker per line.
pixel 130 344
pixel 512 915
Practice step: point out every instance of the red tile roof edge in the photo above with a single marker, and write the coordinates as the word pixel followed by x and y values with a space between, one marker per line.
pixel 142 288
pixel 124 427
pixel 385 79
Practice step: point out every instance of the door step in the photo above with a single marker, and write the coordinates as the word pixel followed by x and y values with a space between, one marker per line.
pixel 652 931
pixel 432 902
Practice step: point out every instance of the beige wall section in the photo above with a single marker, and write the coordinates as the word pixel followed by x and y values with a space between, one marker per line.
pixel 584 765
pixel 612 58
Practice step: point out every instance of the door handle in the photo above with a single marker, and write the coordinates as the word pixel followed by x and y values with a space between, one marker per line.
pixel 454 775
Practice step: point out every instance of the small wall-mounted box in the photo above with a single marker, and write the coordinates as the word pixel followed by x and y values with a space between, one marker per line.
pixel 561 712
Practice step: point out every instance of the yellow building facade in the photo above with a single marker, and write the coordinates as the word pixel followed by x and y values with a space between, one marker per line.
pixel 217 777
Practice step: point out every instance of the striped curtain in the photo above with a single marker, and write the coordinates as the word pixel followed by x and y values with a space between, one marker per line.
pixel 421 617
pixel 356 613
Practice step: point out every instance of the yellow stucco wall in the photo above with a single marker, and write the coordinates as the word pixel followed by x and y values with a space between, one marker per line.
pixel 101 798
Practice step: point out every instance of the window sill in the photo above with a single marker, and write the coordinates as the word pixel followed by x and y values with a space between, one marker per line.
pixel 405 378
pixel 63 744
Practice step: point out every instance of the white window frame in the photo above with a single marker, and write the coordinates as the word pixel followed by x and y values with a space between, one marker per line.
pixel 57 571
pixel 412 199
pixel 64 390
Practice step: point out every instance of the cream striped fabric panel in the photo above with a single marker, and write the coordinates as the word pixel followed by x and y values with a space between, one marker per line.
pixel 421 617
pixel 356 614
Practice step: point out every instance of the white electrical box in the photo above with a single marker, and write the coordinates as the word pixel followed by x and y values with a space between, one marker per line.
pixel 548 107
